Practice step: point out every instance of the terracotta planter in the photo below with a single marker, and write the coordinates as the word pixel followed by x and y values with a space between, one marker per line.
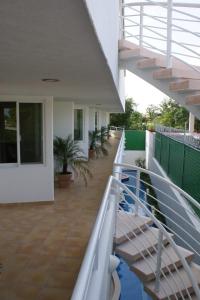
pixel 64 180
pixel 91 154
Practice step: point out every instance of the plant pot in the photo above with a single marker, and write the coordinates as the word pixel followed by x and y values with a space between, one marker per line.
pixel 91 154
pixel 64 180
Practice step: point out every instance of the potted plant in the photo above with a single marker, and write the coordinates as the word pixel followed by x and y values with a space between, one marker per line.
pixel 151 127
pixel 94 147
pixel 70 157
pixel 104 141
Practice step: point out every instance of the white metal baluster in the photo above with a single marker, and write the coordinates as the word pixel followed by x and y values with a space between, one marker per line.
pixel 159 261
pixel 141 25
pixel 137 191
pixel 169 33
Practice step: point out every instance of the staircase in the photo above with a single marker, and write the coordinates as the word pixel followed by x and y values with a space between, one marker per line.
pixel 161 44
pixel 179 82
pixel 139 250
pixel 154 251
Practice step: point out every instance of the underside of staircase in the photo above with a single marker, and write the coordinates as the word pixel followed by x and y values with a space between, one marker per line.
pixel 181 82
pixel 136 241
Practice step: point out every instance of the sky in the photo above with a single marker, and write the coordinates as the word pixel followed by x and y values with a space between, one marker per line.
pixel 143 93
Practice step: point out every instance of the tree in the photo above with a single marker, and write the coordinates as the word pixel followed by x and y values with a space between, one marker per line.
pixel 172 114
pixel 152 112
pixel 131 119
pixel 124 119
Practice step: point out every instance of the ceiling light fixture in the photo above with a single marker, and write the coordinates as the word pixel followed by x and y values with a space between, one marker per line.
pixel 51 80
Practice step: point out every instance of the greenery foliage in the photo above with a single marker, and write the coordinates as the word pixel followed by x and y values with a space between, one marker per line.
pixel 131 119
pixel 71 157
pixel 99 141
pixel 168 113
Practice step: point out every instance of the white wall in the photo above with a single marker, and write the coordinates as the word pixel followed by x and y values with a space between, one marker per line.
pixel 64 121
pixel 30 183
pixel 130 156
pixel 63 117
pixel 84 144
pixel 91 119
pixel 150 137
pixel 105 17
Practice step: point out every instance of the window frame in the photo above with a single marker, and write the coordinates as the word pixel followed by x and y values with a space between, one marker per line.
pixel 83 123
pixel 18 163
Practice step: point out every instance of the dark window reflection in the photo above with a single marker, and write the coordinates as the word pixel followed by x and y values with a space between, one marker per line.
pixel 8 132
pixel 30 115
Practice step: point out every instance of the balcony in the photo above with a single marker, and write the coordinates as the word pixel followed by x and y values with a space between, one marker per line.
pixel 42 245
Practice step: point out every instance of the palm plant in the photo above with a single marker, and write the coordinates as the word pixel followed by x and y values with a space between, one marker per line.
pixel 104 140
pixel 71 157
pixel 94 139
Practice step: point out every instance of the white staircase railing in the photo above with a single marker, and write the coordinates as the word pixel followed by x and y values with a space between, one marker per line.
pixel 168 27
pixel 176 221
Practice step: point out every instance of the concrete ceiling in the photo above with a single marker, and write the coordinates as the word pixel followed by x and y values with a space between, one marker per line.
pixel 53 39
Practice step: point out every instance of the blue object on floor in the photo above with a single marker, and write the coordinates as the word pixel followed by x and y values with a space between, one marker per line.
pixel 131 286
pixel 131 182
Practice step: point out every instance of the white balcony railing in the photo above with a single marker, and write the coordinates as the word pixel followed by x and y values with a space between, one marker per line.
pixel 167 27
pixel 169 217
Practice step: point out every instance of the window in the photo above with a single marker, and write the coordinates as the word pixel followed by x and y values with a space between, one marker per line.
pixel 30 116
pixel 78 124
pixel 29 138
pixel 8 132
pixel 96 121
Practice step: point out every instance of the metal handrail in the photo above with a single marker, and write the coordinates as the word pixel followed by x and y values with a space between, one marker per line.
pixel 114 188
pixel 171 26
pixel 84 276
pixel 167 235
pixel 162 179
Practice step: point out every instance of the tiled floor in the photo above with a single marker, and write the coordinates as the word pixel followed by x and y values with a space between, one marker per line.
pixel 42 246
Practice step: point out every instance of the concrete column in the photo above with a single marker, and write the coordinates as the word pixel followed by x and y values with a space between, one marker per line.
pixel 191 122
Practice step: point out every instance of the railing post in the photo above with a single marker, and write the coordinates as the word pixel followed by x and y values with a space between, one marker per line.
pixel 137 191
pixel 159 260
pixel 122 33
pixel 169 34
pixel 141 25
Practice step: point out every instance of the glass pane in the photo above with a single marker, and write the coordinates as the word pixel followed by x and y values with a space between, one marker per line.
pixel 96 120
pixel 8 132
pixel 31 146
pixel 78 124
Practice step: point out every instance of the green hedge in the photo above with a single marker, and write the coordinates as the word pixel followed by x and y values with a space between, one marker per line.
pixel 135 140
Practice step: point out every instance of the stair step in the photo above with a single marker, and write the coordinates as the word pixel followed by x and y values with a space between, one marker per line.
pixel 193 100
pixel 126 45
pixel 140 245
pixel 173 284
pixel 127 54
pixel 143 268
pixel 185 85
pixel 149 63
pixel 128 224
pixel 171 73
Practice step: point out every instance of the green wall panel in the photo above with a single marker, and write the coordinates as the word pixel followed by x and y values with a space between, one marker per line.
pixel 176 161
pixel 135 140
pixel 181 163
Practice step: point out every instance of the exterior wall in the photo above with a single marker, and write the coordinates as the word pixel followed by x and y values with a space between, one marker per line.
pixel 105 17
pixel 85 142
pixel 64 121
pixel 30 183
pixel 154 166
pixel 63 118
pixel 91 119
pixel 150 137
pixel 131 156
